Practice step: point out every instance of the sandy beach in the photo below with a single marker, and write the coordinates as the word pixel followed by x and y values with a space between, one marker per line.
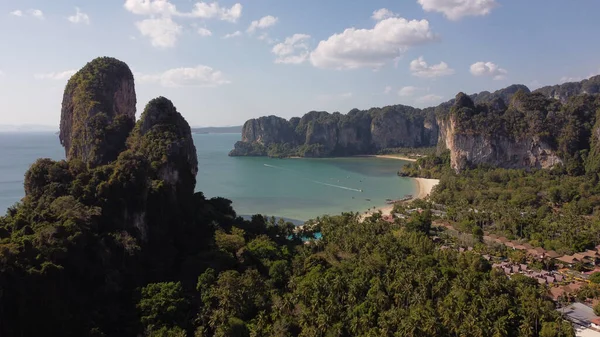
pixel 387 156
pixel 424 187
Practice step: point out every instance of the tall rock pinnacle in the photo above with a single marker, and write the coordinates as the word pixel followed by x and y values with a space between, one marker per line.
pixel 98 111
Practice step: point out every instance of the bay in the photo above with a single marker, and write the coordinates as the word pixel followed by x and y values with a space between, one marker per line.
pixel 298 189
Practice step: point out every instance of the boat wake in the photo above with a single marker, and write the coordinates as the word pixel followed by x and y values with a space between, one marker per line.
pixel 316 181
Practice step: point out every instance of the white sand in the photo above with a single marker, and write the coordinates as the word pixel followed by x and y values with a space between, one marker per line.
pixel 387 156
pixel 424 187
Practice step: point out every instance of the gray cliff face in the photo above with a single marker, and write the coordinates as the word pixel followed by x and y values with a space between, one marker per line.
pixel 358 132
pixel 98 111
pixel 468 150
pixel 391 130
pixel 268 130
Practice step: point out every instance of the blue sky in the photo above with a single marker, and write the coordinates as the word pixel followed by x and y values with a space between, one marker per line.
pixel 224 62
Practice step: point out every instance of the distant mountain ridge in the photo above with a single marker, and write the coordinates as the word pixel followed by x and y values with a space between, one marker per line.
pixel 485 128
pixel 218 129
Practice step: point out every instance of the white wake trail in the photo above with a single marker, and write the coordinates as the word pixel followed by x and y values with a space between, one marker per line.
pixel 315 181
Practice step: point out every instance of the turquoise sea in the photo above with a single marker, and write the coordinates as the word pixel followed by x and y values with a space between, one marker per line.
pixel 298 189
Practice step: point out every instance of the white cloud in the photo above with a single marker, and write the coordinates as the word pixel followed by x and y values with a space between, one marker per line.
pixel 408 91
pixel 358 48
pixel 1 73
pixel 387 90
pixel 150 7
pixel 204 32
pixel 201 9
pixel 382 14
pixel 162 32
pixel 294 50
pixel 199 76
pixel 420 68
pixel 36 13
pixel 213 10
pixel 231 35
pixel 488 69
pixel 79 17
pixel 429 99
pixel 457 9
pixel 59 76
pixel 262 23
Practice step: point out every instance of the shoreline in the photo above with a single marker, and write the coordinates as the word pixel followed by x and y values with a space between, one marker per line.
pixel 385 156
pixel 424 188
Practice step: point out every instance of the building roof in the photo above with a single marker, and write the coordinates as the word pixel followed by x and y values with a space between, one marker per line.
pixel 527 246
pixel 540 250
pixel 552 254
pixel 567 259
pixel 590 253
pixel 579 313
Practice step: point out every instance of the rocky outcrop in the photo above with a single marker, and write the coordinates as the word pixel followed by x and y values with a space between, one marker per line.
pixel 321 134
pixel 98 111
pixel 563 92
pixel 268 130
pixel 165 138
pixel 471 145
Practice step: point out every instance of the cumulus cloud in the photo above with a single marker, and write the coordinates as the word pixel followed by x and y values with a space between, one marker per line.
pixel 79 17
pixel 488 69
pixel 36 13
pixel 262 23
pixel 429 99
pixel 59 76
pixel 199 76
pixel 213 10
pixel 420 68
pixel 204 32
pixel 387 90
pixel 162 32
pixel 150 7
pixel 408 91
pixel 372 48
pixel 293 50
pixel 457 9
pixel 200 10
pixel 232 35
pixel 382 14
pixel 160 27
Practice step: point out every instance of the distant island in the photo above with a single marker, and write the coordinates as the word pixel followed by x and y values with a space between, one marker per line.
pixel 510 128
pixel 217 129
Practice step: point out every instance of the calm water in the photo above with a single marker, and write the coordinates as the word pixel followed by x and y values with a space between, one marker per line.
pixel 293 188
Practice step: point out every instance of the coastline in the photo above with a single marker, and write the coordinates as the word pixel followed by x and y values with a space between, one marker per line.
pixel 424 188
pixel 386 156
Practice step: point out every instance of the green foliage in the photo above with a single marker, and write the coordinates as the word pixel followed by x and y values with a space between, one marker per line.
pixel 162 305
pixel 595 278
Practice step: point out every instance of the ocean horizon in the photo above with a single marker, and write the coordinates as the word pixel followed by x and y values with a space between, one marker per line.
pixel 294 189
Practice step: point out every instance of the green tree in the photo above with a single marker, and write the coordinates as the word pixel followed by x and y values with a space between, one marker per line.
pixel 162 305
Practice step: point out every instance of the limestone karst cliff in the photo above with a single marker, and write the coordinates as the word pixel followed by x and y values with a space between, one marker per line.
pixel 510 128
pixel 98 111
pixel 321 134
